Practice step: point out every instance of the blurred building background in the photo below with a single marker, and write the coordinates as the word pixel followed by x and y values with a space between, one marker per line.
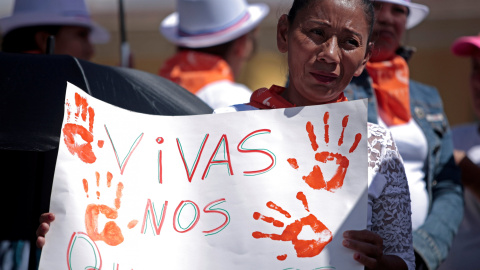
pixel 432 64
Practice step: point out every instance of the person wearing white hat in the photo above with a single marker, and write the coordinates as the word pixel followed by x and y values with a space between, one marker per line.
pixel 466 140
pixel 414 114
pixel 27 30
pixel 68 21
pixel 214 39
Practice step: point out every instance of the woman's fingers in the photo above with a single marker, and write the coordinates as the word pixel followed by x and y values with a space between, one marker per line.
pixel 45 220
pixel 369 247
pixel 364 248
pixel 364 236
pixel 368 262
pixel 42 229
pixel 40 241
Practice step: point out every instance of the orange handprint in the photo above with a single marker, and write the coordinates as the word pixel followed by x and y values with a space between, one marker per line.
pixel 111 234
pixel 303 248
pixel 316 179
pixel 71 130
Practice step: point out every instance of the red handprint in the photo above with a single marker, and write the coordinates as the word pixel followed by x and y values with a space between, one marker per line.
pixel 111 234
pixel 71 130
pixel 316 179
pixel 303 248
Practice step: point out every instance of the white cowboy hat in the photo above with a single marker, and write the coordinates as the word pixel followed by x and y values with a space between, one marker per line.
pixel 206 23
pixel 417 13
pixel 52 12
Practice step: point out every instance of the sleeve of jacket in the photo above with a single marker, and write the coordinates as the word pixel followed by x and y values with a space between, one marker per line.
pixel 433 239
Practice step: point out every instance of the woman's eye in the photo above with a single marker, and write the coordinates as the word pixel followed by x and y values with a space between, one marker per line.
pixel 353 42
pixel 319 32
pixel 400 10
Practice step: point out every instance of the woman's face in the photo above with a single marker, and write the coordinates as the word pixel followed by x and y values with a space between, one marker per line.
pixel 74 41
pixel 326 45
pixel 390 23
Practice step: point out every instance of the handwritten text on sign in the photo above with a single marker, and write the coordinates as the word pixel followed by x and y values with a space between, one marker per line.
pixel 263 189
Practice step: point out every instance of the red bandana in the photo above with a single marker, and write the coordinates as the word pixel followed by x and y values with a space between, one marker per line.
pixel 193 70
pixel 271 98
pixel 390 81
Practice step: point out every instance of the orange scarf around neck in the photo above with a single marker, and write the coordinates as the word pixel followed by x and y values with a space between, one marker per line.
pixel 271 98
pixel 193 70
pixel 390 82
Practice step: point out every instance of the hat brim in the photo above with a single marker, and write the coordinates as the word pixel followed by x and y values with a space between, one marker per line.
pixel 98 33
pixel 417 13
pixel 169 29
pixel 466 46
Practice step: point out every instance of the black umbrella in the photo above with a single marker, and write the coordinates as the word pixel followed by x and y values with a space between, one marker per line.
pixel 32 95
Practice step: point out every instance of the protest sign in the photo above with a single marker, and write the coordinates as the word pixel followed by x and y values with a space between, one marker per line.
pixel 261 189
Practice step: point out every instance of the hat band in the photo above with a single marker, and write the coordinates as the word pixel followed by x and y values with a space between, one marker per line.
pixel 75 13
pixel 224 28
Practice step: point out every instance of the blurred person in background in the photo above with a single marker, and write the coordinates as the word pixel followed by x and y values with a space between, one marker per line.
pixel 466 140
pixel 28 29
pixel 414 114
pixel 214 40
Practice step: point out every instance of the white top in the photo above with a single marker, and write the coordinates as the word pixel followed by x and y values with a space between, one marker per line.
pixel 224 93
pixel 389 213
pixel 413 147
pixel 465 252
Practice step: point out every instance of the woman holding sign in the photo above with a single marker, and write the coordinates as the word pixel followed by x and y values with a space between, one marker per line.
pixel 328 42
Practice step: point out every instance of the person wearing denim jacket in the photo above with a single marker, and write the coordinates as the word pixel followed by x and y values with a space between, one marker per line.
pixel 433 239
pixel 414 114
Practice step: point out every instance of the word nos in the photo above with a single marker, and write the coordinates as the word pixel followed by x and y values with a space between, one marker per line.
pixel 150 216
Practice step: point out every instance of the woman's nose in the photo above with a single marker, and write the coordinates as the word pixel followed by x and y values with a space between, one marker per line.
pixel 329 52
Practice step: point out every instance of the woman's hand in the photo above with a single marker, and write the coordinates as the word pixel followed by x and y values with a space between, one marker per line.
pixel 369 250
pixel 45 220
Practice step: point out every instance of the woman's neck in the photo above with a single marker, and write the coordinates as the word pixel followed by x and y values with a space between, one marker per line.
pixel 292 96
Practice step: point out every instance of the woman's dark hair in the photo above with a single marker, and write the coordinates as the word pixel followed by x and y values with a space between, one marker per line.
pixel 220 50
pixel 367 9
pixel 23 39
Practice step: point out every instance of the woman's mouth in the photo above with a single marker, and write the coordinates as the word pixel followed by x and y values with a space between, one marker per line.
pixel 325 78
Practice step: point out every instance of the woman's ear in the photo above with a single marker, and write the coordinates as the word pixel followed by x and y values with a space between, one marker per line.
pixel 41 38
pixel 239 46
pixel 282 33
pixel 368 53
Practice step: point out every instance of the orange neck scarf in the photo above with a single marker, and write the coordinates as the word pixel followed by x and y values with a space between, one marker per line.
pixel 193 70
pixel 271 98
pixel 390 82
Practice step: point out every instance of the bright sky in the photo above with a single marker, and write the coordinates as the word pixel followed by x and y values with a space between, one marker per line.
pixel 6 6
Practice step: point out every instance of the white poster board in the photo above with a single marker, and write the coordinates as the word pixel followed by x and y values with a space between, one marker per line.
pixel 263 189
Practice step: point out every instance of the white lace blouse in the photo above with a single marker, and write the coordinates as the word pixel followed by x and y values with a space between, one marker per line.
pixel 389 213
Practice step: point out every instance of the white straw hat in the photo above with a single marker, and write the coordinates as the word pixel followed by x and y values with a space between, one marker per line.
pixel 206 23
pixel 52 12
pixel 417 13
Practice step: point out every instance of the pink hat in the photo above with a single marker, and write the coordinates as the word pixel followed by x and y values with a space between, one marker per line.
pixel 466 46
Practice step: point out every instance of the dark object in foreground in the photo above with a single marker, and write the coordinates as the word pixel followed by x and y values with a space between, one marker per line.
pixel 32 95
